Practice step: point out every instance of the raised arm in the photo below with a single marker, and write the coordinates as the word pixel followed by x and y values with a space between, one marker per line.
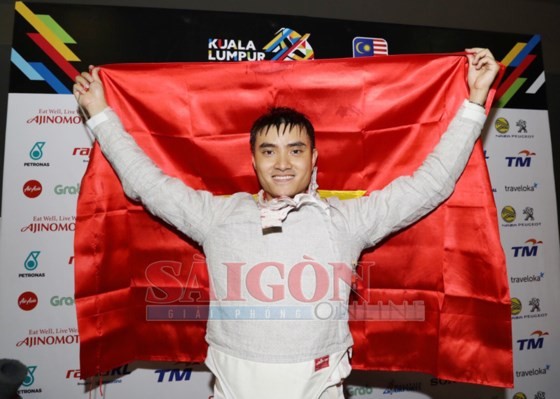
pixel 189 210
pixel 408 198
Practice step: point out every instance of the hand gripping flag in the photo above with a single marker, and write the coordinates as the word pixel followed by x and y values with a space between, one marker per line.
pixel 375 119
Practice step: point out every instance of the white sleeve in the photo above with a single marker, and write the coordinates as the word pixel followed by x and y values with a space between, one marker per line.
pixel 408 198
pixel 189 210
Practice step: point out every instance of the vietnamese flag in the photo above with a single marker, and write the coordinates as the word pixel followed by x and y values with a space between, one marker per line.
pixel 375 119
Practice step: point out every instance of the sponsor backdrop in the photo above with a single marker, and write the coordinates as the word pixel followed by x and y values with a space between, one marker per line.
pixel 47 149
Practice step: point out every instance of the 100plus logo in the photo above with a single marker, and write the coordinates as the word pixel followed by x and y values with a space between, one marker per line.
pixel 306 290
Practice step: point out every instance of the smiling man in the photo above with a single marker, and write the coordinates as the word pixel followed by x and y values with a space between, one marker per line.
pixel 288 240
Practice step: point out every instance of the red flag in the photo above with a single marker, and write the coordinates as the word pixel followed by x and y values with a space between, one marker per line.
pixel 375 119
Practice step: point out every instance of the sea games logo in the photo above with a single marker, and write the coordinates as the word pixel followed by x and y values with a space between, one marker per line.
pixel 287 45
pixel 50 224
pixel 28 301
pixel 32 189
pixel 50 337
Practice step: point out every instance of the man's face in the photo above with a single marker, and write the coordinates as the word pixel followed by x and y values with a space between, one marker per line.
pixel 284 161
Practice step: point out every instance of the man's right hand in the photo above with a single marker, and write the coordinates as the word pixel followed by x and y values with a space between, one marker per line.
pixel 89 92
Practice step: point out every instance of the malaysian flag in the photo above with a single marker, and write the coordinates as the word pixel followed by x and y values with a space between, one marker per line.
pixel 369 46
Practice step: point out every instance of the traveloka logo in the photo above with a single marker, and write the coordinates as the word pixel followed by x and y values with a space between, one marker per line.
pixel 536 342
pixel 523 161
pixel 32 189
pixel 532 372
pixel 521 188
pixel 287 45
pixel 36 153
pixel 528 278
pixel 369 46
pixel 525 251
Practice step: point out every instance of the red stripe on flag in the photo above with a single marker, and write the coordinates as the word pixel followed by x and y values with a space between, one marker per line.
pixel 514 75
pixel 54 55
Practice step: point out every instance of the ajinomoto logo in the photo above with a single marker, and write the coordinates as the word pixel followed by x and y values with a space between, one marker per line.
pixel 28 301
pixel 32 188
pixel 502 125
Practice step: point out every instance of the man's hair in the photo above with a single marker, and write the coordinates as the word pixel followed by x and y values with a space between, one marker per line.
pixel 281 116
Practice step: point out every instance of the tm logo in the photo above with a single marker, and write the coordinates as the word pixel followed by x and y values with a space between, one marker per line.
pixel 30 377
pixel 520 161
pixel 174 374
pixel 532 343
pixel 525 251
pixel 36 151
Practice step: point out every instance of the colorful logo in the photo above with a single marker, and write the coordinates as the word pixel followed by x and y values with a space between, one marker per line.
pixel 508 213
pixel 523 161
pixel 36 151
pixel 515 306
pixel 536 342
pixel 52 40
pixel 519 395
pixel 30 377
pixel 289 45
pixel 28 301
pixel 527 250
pixel 32 261
pixel 369 46
pixel 32 188
pixel 502 125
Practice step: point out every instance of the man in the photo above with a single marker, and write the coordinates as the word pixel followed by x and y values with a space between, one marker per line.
pixel 287 231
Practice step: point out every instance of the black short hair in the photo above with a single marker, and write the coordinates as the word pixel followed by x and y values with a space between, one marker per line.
pixel 279 116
